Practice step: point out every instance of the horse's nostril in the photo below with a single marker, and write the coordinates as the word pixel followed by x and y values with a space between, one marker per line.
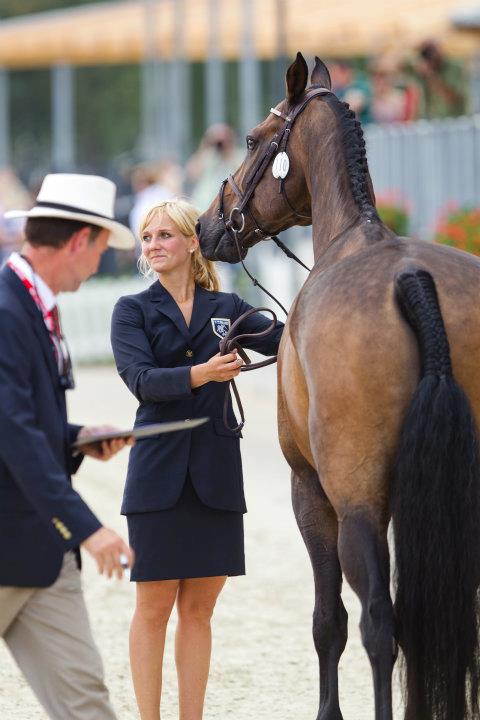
pixel 197 228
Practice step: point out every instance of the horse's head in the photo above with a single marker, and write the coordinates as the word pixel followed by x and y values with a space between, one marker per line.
pixel 269 191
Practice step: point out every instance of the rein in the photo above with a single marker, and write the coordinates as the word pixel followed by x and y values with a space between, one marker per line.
pixel 277 146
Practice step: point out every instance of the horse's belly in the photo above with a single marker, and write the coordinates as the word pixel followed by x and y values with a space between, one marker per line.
pixel 293 404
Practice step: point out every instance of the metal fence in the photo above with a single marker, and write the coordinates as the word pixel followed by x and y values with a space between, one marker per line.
pixel 428 164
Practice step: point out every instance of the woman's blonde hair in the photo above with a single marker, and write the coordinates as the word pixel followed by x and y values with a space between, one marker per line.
pixel 185 217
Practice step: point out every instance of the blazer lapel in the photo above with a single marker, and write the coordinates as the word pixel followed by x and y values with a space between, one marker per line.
pixel 204 306
pixel 38 323
pixel 167 305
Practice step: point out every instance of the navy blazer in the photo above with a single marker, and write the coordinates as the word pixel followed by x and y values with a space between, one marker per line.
pixel 41 516
pixel 154 350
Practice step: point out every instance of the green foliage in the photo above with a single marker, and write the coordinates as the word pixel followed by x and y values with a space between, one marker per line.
pixel 107 112
pixel 460 228
pixel 393 213
pixel 13 8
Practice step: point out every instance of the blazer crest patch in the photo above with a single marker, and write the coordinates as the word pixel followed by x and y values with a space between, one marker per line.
pixel 220 326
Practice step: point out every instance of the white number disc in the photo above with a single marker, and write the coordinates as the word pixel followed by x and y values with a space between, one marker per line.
pixel 281 165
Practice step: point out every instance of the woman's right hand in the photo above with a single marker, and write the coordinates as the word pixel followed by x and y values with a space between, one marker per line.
pixel 220 368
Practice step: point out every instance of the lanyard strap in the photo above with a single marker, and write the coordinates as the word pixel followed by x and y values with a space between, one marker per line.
pixel 51 319
pixel 47 314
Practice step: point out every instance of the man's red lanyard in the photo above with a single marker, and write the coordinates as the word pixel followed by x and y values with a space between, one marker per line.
pixel 52 321
pixel 47 314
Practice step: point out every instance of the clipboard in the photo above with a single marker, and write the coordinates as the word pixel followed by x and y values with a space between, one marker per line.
pixel 143 431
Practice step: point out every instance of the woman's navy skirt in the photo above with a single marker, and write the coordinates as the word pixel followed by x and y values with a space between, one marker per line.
pixel 189 540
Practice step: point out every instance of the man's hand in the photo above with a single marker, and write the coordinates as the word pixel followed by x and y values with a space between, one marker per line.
pixel 107 448
pixel 106 548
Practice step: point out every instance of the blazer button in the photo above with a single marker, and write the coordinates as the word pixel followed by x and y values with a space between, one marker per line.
pixel 189 353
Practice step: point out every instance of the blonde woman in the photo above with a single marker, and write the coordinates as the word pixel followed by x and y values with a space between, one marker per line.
pixel 183 498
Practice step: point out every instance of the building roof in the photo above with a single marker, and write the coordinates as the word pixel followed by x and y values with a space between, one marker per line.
pixel 121 31
pixel 467 17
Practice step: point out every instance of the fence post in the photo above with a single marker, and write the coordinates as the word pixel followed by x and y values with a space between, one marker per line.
pixel 249 72
pixel 4 118
pixel 63 120
pixel 215 77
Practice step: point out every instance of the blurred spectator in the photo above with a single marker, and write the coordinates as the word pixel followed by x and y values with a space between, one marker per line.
pixel 395 98
pixel 353 87
pixel 217 157
pixel 443 81
pixel 150 185
pixel 13 196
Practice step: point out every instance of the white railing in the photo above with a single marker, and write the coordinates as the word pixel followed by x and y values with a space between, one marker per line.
pixel 86 316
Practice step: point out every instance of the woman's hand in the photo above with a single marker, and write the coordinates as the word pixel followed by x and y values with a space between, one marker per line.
pixel 220 368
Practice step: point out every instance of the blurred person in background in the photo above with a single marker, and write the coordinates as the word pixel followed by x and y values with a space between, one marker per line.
pixel 217 156
pixel 443 81
pixel 13 194
pixel 152 183
pixel 395 98
pixel 353 87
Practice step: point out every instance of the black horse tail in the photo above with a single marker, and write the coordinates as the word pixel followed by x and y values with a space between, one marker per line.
pixel 436 519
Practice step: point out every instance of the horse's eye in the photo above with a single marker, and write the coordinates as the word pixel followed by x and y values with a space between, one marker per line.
pixel 251 142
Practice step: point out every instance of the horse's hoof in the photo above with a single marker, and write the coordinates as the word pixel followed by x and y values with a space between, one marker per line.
pixel 330 714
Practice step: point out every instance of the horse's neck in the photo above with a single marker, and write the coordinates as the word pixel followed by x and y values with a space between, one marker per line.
pixel 359 236
pixel 339 227
pixel 333 207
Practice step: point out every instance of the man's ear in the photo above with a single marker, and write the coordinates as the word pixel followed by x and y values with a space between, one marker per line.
pixel 79 240
pixel 320 74
pixel 296 79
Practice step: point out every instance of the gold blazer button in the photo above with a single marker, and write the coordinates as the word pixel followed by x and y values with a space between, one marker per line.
pixel 189 353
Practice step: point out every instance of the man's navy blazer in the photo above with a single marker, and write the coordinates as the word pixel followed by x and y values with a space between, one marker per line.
pixel 41 516
pixel 154 350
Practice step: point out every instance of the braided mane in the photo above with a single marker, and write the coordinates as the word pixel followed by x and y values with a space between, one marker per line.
pixel 353 143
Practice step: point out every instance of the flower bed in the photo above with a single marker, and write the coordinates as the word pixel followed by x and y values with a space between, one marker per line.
pixel 460 228
pixel 394 212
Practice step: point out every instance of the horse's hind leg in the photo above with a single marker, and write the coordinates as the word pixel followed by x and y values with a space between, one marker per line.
pixel 318 525
pixel 364 558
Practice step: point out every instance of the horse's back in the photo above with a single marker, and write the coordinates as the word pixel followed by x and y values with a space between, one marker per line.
pixel 348 345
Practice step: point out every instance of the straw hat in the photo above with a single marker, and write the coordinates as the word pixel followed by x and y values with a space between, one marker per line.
pixel 87 198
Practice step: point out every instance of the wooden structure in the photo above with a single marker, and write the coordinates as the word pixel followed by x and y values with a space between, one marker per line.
pixel 124 31
pixel 164 36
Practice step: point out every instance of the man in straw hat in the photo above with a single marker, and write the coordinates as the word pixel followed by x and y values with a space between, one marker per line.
pixel 43 521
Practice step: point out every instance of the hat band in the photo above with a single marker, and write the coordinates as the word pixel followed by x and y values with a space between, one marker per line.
pixel 71 208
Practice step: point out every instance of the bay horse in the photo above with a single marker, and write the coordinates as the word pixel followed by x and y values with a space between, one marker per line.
pixel 378 404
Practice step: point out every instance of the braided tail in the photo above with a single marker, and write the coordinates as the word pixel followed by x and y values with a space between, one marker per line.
pixel 436 518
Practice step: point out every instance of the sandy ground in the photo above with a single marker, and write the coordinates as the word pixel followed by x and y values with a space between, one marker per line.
pixel 264 665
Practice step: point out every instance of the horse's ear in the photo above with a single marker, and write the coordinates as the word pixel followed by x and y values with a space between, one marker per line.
pixel 320 75
pixel 296 79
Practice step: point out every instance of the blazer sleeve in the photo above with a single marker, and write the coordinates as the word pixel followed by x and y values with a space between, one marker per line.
pixel 136 362
pixel 74 459
pixel 25 450
pixel 258 322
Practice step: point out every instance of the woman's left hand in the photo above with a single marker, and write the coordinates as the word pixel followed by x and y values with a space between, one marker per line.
pixel 107 448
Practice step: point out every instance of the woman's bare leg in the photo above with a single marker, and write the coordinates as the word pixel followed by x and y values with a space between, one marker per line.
pixel 155 601
pixel 193 641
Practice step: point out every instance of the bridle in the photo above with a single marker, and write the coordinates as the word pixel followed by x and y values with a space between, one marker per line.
pixel 235 225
